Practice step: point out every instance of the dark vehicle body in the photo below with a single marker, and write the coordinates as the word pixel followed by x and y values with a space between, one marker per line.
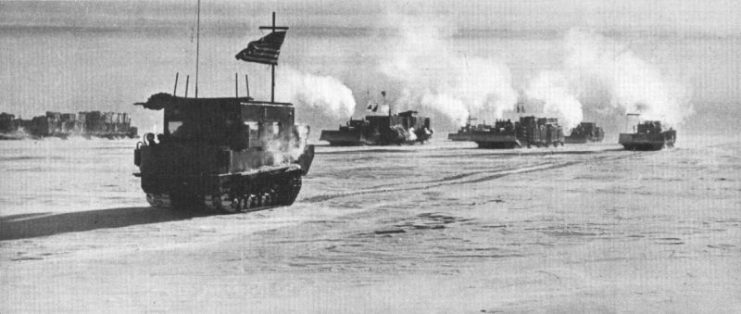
pixel 649 135
pixel 9 127
pixel 63 125
pixel 227 154
pixel 106 124
pixel 403 128
pixel 504 134
pixel 8 123
pixel 585 132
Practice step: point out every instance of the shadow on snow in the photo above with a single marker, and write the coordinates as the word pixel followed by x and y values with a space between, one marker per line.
pixel 45 224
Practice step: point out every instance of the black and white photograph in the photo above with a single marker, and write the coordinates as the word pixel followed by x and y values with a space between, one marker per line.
pixel 348 156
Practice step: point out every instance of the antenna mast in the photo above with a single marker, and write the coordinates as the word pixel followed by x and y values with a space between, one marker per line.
pixel 175 89
pixel 187 84
pixel 198 41
pixel 272 72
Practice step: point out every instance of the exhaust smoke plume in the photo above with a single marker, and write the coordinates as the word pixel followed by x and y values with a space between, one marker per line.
pixel 431 75
pixel 427 71
pixel 602 74
pixel 558 98
pixel 284 150
pixel 314 95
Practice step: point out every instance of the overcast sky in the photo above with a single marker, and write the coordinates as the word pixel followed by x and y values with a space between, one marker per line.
pixel 717 17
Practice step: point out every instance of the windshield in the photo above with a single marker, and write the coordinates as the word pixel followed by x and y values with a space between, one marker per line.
pixel 173 126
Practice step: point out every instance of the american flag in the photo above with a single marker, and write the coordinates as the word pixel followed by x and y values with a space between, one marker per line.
pixel 264 50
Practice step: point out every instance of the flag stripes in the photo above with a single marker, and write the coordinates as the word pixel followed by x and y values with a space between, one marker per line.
pixel 264 50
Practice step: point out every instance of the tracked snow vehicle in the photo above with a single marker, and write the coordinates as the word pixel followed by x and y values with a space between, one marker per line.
pixel 649 135
pixel 403 128
pixel 500 135
pixel 585 132
pixel 504 134
pixel 228 154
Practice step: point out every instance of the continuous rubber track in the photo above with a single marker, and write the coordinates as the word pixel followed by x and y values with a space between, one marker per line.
pixel 281 192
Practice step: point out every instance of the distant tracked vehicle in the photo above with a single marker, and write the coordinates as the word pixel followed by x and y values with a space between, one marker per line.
pixel 403 128
pixel 649 135
pixel 504 134
pixel 585 132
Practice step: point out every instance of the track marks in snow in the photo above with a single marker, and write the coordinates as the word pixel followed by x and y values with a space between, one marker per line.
pixel 466 178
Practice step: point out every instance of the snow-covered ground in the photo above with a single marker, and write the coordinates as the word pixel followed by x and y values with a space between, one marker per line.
pixel 443 228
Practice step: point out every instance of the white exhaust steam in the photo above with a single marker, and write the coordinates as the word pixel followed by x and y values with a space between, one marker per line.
pixel 432 75
pixel 558 98
pixel 315 95
pixel 285 150
pixel 598 73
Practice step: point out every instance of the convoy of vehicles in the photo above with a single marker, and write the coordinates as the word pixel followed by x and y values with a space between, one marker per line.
pixel 237 154
pixel 63 125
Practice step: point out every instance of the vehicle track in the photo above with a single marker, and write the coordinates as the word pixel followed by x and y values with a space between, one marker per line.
pixel 467 178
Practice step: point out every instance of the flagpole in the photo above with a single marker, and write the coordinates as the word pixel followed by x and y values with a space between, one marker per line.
pixel 198 41
pixel 265 51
